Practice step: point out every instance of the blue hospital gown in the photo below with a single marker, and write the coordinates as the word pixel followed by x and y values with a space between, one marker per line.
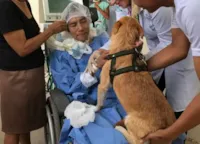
pixel 66 74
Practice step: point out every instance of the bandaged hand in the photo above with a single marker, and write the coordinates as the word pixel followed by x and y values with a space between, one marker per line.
pixel 96 60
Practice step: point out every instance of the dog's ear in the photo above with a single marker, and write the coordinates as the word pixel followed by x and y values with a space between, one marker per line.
pixel 116 27
pixel 134 31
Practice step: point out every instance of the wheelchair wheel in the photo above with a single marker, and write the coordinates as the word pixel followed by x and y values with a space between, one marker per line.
pixel 56 120
pixel 49 128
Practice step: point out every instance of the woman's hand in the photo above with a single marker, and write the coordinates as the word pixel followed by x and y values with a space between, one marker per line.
pixel 58 26
pixel 159 137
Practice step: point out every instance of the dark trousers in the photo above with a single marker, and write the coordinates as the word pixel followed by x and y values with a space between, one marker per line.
pixel 161 83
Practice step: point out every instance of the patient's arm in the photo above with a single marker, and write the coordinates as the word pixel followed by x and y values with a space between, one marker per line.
pixel 105 12
pixel 66 74
pixel 173 53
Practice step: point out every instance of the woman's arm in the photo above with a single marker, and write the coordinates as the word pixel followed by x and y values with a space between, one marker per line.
pixel 105 12
pixel 22 46
pixel 11 27
pixel 67 76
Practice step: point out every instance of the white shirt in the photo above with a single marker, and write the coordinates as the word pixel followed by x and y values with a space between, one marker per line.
pixel 182 83
pixel 112 18
pixel 157 30
pixel 186 17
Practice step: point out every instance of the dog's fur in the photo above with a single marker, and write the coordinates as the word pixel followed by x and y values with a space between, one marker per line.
pixel 146 107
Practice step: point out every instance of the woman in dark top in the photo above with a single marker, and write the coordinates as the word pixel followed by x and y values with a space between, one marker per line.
pixel 22 85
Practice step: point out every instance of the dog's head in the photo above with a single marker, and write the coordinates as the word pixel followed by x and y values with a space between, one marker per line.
pixel 126 33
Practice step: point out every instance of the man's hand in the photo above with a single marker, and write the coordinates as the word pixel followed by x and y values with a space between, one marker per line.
pixel 101 60
pixel 159 137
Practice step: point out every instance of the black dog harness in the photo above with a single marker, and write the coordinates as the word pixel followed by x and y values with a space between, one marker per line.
pixel 135 66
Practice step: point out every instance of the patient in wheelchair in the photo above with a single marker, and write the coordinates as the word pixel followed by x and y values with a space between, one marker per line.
pixel 68 67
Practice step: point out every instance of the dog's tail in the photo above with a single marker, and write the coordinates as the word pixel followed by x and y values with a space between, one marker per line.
pixel 125 133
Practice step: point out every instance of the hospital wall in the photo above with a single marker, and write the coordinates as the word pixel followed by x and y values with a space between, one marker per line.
pixel 37 9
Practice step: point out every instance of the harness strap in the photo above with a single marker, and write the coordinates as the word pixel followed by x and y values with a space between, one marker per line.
pixel 134 67
pixel 126 70
pixel 123 53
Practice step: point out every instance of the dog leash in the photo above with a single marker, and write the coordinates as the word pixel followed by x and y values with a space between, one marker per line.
pixel 135 66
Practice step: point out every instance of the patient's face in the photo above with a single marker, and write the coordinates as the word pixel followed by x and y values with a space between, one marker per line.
pixel 79 28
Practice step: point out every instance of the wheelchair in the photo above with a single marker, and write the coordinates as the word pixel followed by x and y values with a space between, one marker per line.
pixel 57 101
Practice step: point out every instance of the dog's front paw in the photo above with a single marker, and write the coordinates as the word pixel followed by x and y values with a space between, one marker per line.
pixel 120 123
pixel 98 108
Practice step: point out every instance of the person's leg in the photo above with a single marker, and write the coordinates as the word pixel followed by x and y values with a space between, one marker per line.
pixel 25 138
pixel 181 139
pixel 11 139
pixel 178 114
pixel 161 83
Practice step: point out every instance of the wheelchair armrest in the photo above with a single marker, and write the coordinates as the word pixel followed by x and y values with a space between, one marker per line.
pixel 60 100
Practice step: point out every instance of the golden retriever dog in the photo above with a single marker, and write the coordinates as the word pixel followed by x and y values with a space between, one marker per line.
pixel 146 107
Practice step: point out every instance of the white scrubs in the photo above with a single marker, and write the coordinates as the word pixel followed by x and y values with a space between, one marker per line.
pixel 182 83
pixel 181 80
pixel 186 17
pixel 157 30
pixel 112 18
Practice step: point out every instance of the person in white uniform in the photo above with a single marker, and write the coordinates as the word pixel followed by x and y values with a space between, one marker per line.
pixel 185 36
pixel 181 80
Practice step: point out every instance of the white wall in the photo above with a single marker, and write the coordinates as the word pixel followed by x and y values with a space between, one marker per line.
pixel 37 9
